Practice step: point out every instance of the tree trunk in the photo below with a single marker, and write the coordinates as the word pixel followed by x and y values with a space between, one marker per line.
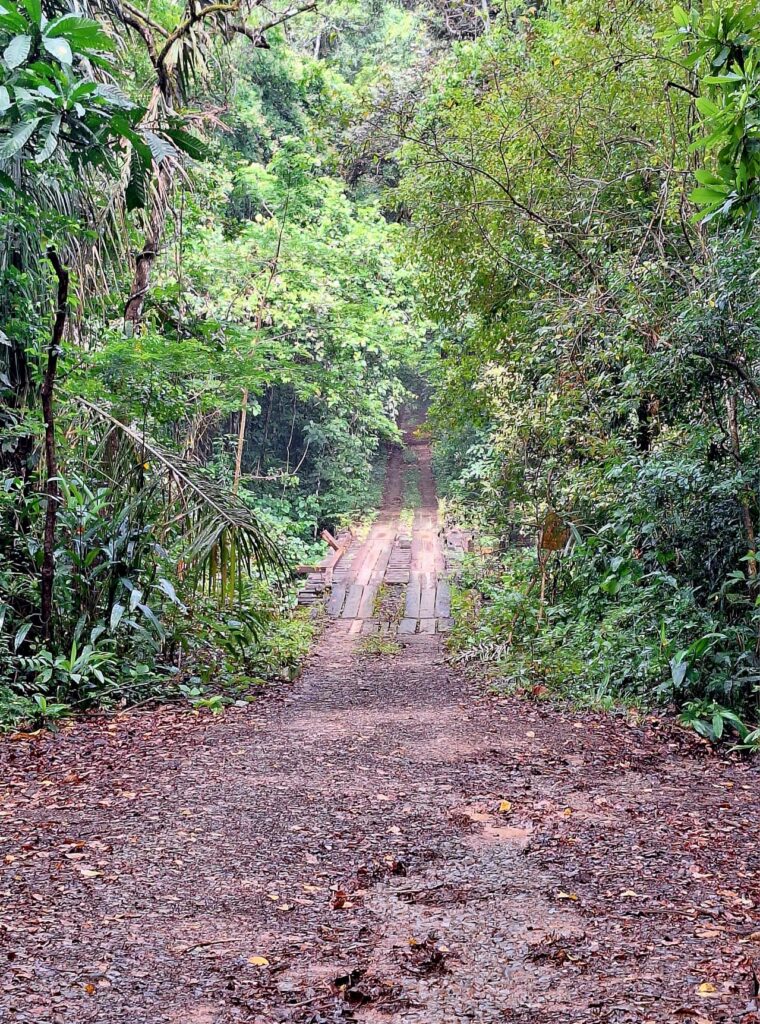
pixel 51 480
pixel 133 310
pixel 749 527
pixel 240 442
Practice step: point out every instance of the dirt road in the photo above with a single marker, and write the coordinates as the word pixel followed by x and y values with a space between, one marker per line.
pixel 380 842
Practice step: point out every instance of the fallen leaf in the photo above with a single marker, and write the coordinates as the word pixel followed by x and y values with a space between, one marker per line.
pixel 505 806
pixel 706 989
pixel 258 961
pixel 567 896
pixel 629 892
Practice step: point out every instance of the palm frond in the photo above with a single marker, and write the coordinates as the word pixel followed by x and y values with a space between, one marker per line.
pixel 222 536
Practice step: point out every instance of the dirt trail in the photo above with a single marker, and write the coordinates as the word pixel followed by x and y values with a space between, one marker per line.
pixel 380 842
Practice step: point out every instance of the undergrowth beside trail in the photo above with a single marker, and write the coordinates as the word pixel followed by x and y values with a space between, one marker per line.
pixel 643 645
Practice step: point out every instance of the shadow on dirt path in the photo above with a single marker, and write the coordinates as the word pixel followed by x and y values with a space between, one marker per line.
pixel 380 842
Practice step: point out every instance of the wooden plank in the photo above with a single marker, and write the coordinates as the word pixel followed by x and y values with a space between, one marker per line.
pixel 413 599
pixel 328 537
pixel 356 626
pixel 337 597
pixel 407 626
pixel 367 606
pixel 397 577
pixel 427 625
pixel 353 600
pixel 427 603
pixel 443 599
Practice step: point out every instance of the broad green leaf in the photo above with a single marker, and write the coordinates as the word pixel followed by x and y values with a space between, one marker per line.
pixel 83 34
pixel 140 147
pixel 720 59
pixel 12 22
pixel 116 614
pixel 12 144
pixel 113 95
pixel 51 141
pixel 704 196
pixel 58 48
pixel 22 635
pixel 728 79
pixel 707 107
pixel 17 51
pixel 34 10
pixel 160 149
pixel 707 177
pixel 5 99
pixel 190 144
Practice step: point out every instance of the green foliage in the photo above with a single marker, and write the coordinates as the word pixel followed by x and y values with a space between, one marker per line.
pixel 723 47
pixel 711 720
pixel 380 646
pixel 50 98
pixel 275 301
pixel 598 353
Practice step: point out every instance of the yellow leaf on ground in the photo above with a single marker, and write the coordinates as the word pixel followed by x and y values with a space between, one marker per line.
pixel 706 989
pixel 567 896
pixel 505 806
pixel 258 961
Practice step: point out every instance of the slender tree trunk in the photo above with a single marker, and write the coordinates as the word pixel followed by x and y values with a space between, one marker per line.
pixel 133 310
pixel 749 527
pixel 51 480
pixel 240 442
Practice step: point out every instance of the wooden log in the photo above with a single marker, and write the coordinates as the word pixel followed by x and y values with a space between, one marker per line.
pixel 328 537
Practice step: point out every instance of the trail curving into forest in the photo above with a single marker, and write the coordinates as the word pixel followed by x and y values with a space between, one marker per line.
pixel 382 841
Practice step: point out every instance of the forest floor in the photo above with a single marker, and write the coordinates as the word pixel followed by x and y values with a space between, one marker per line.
pixel 382 841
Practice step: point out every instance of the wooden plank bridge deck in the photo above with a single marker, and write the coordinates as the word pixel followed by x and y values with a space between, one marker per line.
pixel 392 567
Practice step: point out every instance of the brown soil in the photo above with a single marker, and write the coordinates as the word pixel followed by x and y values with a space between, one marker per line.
pixel 382 842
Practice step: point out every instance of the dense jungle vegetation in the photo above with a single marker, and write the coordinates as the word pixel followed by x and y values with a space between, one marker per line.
pixel 237 237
